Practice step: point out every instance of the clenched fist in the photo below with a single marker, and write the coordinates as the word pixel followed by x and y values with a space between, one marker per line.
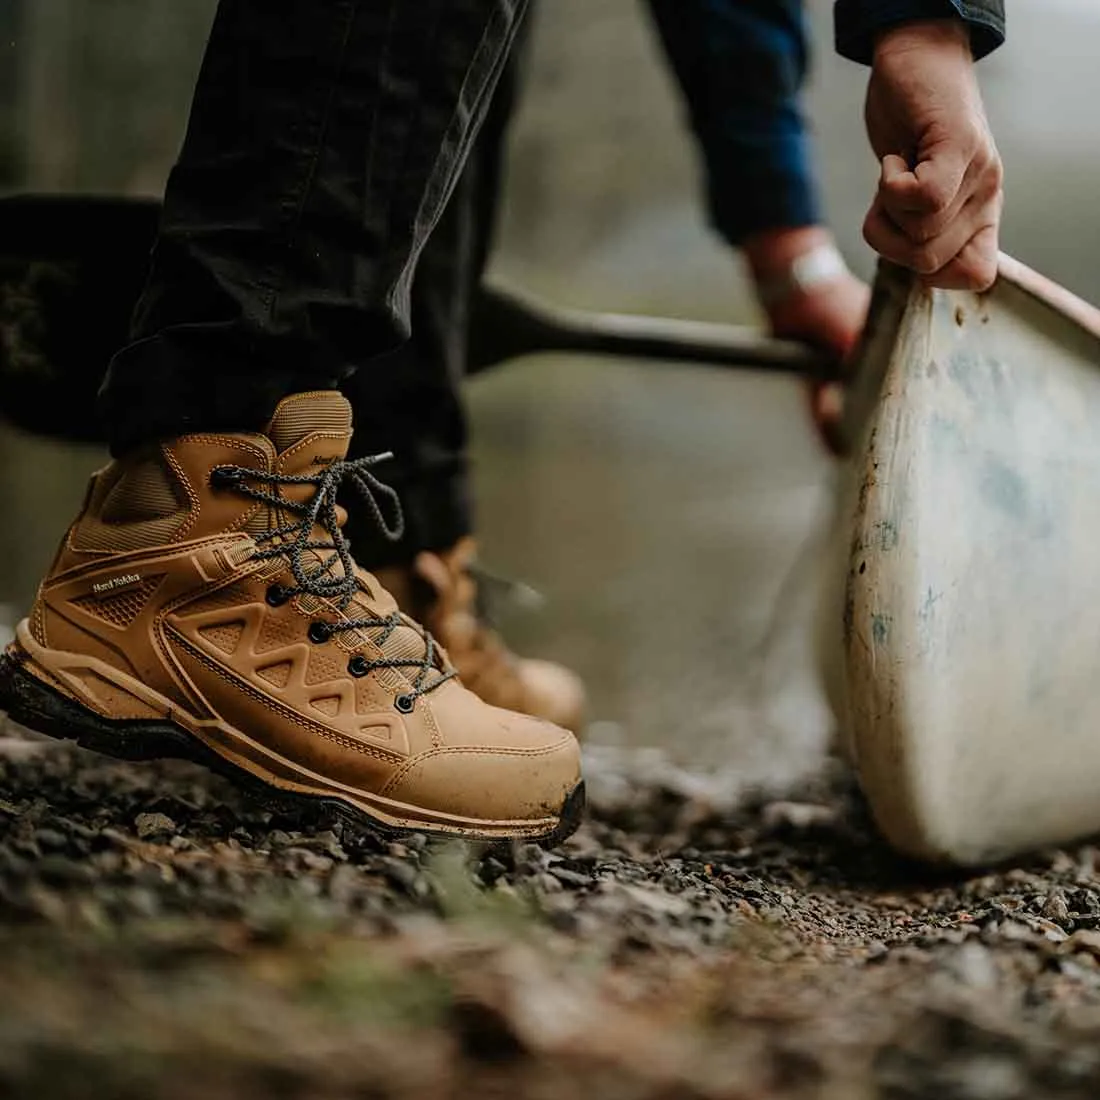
pixel 938 205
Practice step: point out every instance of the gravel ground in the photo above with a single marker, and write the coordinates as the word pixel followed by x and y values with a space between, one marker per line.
pixel 164 937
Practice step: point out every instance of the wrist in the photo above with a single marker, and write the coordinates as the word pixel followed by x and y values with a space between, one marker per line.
pixel 788 264
pixel 942 35
pixel 770 252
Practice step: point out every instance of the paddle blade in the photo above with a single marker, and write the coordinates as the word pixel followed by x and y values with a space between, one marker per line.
pixel 972 612
pixel 71 270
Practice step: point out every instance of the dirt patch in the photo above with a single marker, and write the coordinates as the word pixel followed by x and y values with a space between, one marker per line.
pixel 164 937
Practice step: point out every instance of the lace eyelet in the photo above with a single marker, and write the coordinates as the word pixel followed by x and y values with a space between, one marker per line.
pixel 357 666
pixel 277 595
pixel 319 633
pixel 405 703
pixel 223 477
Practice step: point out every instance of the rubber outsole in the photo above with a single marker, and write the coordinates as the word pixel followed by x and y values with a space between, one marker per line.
pixel 41 708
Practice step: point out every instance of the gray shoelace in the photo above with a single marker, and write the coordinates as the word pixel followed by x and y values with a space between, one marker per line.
pixel 317 575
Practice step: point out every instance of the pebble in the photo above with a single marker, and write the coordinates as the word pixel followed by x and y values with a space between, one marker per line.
pixel 149 825
pixel 400 873
pixel 1055 908
pixel 1015 932
pixel 1087 940
pixel 797 815
pixel 309 860
pixel 57 870
pixel 51 840
pixel 974 965
pixel 570 878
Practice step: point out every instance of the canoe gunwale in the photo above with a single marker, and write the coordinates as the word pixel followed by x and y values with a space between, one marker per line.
pixel 1044 290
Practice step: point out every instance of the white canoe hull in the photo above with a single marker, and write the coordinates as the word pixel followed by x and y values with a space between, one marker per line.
pixel 970 662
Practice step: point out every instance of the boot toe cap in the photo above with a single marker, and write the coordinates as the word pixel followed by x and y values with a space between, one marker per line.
pixel 495 784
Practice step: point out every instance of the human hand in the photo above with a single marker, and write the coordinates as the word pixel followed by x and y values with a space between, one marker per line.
pixel 830 317
pixel 827 313
pixel 938 205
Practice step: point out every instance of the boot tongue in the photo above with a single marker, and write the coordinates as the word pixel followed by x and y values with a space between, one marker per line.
pixel 310 430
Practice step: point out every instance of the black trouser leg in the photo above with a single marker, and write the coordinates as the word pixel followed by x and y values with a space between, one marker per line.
pixel 410 402
pixel 325 139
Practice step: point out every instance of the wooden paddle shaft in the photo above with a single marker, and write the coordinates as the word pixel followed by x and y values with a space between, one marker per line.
pixel 508 324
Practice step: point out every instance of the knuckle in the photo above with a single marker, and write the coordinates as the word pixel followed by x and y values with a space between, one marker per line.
pixel 979 270
pixel 988 191
pixel 926 259
pixel 988 164
pixel 985 274
pixel 937 198
pixel 923 230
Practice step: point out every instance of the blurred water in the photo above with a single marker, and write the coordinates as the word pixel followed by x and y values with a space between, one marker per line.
pixel 662 509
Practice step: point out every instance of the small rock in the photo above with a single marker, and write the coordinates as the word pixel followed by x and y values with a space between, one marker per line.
pixel 1016 932
pixel 77 829
pixel 914 956
pixel 1087 941
pixel 50 840
pixel 490 870
pixel 307 860
pixel 401 874
pixel 975 966
pixel 877 951
pixel 148 825
pixel 143 902
pixel 563 920
pixel 59 871
pixel 797 815
pixel 1085 901
pixel 1072 968
pixel 1048 929
pixel 343 884
pixel 656 902
pixel 990 1077
pixel 1055 908
pixel 19 749
pixel 530 859
pixel 570 878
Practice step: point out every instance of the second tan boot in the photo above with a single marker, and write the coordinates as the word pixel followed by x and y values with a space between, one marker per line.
pixel 441 591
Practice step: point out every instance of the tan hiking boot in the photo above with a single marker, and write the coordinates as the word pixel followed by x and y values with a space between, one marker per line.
pixel 441 591
pixel 205 605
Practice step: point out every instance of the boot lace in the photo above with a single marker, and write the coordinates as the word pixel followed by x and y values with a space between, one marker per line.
pixel 324 567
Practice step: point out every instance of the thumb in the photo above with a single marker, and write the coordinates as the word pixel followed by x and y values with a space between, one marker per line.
pixel 923 200
pixel 895 170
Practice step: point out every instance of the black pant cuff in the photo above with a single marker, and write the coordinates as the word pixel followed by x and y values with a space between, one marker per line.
pixel 161 388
